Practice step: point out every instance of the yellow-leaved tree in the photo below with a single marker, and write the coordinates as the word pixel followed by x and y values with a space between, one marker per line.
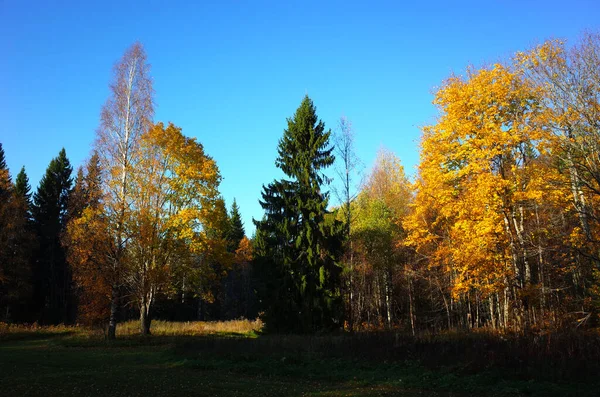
pixel 479 184
pixel 176 217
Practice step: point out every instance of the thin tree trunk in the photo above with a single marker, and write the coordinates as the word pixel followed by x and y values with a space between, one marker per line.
pixel 388 304
pixel 410 305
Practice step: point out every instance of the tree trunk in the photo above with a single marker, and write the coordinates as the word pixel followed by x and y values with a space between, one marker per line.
pixel 145 317
pixel 114 306
pixel 145 320
pixel 388 300
pixel 410 305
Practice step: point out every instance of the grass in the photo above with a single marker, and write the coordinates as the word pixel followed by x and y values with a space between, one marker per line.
pixel 193 328
pixel 231 359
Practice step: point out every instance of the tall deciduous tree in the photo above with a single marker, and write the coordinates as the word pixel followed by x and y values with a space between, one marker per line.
pixel 298 243
pixel 126 115
pixel 50 210
pixel 480 173
pixel 569 79
pixel 175 210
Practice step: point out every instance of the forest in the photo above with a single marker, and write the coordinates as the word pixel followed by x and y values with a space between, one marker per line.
pixel 495 236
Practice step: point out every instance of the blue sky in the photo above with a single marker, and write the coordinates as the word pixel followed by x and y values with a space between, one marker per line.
pixel 230 73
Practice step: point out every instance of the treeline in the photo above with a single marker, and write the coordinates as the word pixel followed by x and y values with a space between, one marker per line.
pixel 140 230
pixel 499 228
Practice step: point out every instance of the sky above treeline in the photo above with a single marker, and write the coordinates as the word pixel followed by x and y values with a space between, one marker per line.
pixel 230 73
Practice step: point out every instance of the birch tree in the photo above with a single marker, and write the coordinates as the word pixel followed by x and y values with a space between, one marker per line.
pixel 125 116
pixel 346 167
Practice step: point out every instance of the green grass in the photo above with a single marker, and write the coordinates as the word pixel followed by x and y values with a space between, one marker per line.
pixel 68 361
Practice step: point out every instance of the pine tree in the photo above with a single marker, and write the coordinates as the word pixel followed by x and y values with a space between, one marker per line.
pixel 298 243
pixel 50 210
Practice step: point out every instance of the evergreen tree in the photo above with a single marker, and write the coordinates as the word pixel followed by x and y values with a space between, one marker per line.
pixel 78 197
pixel 5 184
pixel 235 232
pixel 50 212
pixel 22 186
pixel 87 189
pixel 15 247
pixel 235 294
pixel 298 243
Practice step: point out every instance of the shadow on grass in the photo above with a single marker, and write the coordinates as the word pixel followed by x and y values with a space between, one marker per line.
pixel 34 335
pixel 359 364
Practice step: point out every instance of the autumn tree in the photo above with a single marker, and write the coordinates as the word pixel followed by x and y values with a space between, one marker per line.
pixel 87 240
pixel 383 280
pixel 480 173
pixel 175 210
pixel 297 244
pixel 569 79
pixel 126 115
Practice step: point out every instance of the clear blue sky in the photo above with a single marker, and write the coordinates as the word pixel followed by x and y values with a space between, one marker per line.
pixel 230 73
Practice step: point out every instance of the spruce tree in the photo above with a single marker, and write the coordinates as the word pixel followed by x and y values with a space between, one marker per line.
pixel 22 186
pixel 235 232
pixel 50 210
pixel 298 243
pixel 5 184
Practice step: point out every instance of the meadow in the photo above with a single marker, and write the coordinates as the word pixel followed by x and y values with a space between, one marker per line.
pixel 234 359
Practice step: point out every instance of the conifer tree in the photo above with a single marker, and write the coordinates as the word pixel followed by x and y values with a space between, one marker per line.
pixel 16 245
pixel 297 243
pixel 236 228
pixel 53 277
pixel 22 186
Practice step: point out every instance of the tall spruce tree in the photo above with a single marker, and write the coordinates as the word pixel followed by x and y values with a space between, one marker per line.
pixel 297 243
pixel 53 276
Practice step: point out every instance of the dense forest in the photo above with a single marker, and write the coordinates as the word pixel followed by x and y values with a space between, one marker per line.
pixel 498 229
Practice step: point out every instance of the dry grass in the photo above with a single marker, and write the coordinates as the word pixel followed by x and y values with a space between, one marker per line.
pixel 132 328
pixel 18 331
pixel 166 328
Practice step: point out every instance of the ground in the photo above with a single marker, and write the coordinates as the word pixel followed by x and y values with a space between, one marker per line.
pixel 71 362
